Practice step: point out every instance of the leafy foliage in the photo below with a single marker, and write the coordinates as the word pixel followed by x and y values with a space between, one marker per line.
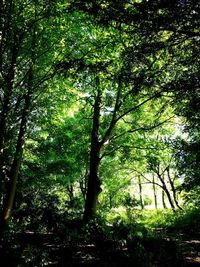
pixel 99 117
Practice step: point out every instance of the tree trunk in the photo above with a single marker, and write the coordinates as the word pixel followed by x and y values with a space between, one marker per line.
pixel 163 200
pixel 165 189
pixel 14 172
pixel 70 190
pixel 173 189
pixel 3 117
pixel 155 193
pixel 169 198
pixel 83 183
pixel 7 90
pixel 15 167
pixel 94 188
pixel 140 193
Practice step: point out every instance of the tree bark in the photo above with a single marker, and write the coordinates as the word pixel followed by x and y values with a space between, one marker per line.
pixel 163 200
pixel 173 189
pixel 14 172
pixel 169 198
pixel 155 193
pixel 140 193
pixel 3 117
pixel 94 184
pixel 165 189
pixel 7 90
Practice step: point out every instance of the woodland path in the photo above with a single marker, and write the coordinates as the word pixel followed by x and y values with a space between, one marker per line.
pixel 190 248
pixel 36 249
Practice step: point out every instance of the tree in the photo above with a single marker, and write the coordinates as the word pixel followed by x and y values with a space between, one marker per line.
pixel 33 38
pixel 106 128
pixel 162 167
pixel 157 39
pixel 128 66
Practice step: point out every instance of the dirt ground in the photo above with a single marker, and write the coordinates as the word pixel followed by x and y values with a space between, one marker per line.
pixel 35 249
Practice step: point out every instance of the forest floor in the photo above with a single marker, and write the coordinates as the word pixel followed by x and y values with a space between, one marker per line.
pixel 190 249
pixel 50 249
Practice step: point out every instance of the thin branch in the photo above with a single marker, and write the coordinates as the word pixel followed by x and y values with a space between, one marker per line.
pixel 142 128
pixel 122 147
pixel 137 107
pixel 148 180
pixel 113 120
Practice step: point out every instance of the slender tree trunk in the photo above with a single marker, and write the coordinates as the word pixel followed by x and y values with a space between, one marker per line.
pixel 83 183
pixel 140 193
pixel 169 199
pixel 155 193
pixel 7 90
pixel 165 189
pixel 94 184
pixel 173 189
pixel 163 200
pixel 70 190
pixel 15 167
pixel 14 172
pixel 3 117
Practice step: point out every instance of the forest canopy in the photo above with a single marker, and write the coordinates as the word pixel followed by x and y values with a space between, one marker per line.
pixel 99 109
